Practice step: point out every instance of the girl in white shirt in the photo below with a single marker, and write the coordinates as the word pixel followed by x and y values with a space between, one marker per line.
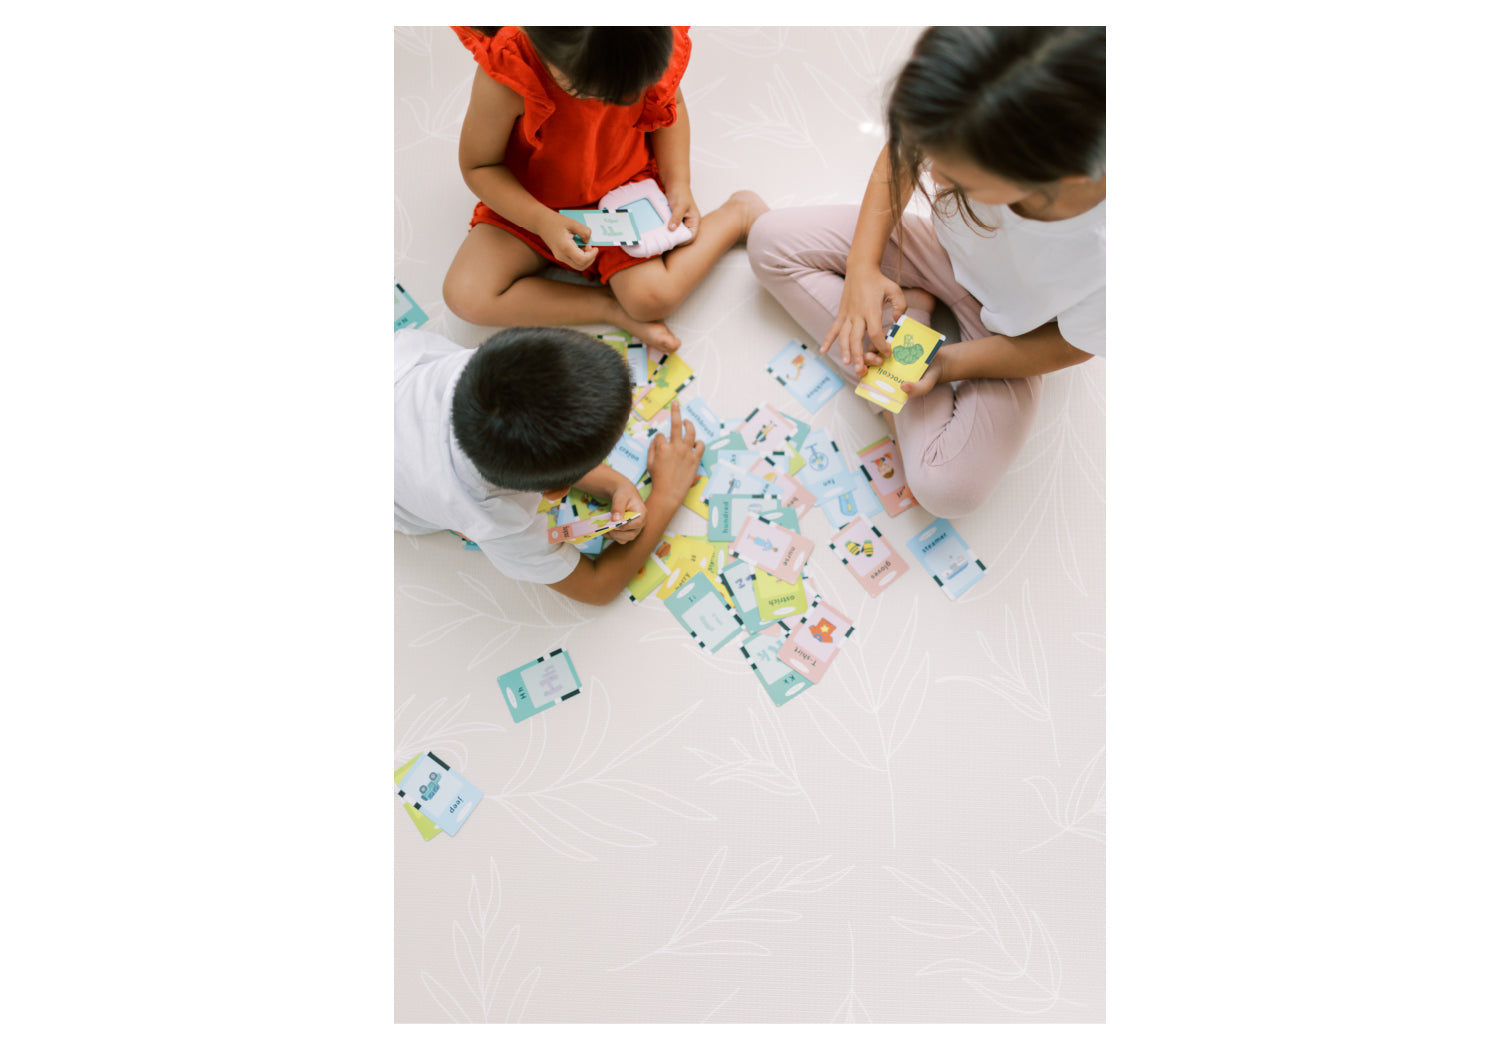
pixel 1008 122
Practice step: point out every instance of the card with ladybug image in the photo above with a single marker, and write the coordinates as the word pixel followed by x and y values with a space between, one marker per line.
pixel 434 790
pixel 868 556
pixel 881 464
pixel 815 640
pixel 912 346
pixel 767 545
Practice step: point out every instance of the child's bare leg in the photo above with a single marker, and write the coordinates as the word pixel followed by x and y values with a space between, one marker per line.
pixel 653 289
pixel 493 282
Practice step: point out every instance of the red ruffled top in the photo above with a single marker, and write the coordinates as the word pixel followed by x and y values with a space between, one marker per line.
pixel 568 152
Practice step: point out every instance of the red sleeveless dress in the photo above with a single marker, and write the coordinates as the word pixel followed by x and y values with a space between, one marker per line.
pixel 568 152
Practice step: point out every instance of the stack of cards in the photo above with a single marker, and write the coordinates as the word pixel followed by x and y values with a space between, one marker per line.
pixel 544 682
pixel 607 229
pixel 433 790
pixel 912 346
pixel 940 550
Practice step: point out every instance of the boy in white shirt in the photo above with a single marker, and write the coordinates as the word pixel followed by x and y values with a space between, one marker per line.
pixel 479 433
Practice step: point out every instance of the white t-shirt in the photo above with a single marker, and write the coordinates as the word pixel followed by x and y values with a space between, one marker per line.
pixel 1027 272
pixel 437 486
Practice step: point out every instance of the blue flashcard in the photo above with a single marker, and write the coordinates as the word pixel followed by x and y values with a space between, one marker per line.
pixel 644 214
pixel 947 558
pixel 542 683
pixel 703 613
pixel 629 458
pixel 727 480
pixel 803 429
pixel 439 793
pixel 780 681
pixel 824 472
pixel 852 498
pixel 726 513
pixel 738 578
pixel 806 375
pixel 606 228
pixel 706 425
pixel 639 363
pixel 408 313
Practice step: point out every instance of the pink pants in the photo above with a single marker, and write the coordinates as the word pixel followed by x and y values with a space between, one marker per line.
pixel 957 440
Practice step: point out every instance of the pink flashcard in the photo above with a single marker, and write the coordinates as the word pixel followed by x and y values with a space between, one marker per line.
pixel 778 550
pixel 815 640
pixel 765 429
pixel 868 556
pixel 881 463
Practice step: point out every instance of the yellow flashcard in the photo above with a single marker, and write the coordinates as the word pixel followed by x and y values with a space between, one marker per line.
pixel 694 498
pixel 646 580
pixel 912 347
pixel 671 375
pixel 428 829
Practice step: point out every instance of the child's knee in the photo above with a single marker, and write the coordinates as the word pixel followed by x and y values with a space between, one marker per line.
pixel 945 492
pixel 647 300
pixel 764 245
pixel 468 293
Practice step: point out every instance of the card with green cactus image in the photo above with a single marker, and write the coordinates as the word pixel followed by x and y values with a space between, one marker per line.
pixel 912 347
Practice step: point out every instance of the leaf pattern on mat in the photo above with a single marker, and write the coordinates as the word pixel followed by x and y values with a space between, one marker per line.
pixel 482 963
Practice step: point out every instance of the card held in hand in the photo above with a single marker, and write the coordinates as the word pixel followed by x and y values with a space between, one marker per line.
pixel 912 346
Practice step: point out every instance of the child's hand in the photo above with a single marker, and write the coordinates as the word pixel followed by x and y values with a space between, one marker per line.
pixel 624 499
pixel 861 312
pixel 930 378
pixel 684 209
pixel 558 234
pixel 672 459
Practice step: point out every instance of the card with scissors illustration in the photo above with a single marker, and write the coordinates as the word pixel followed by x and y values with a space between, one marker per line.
pixel 912 346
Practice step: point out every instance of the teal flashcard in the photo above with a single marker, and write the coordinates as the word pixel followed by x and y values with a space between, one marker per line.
pixel 607 229
pixel 738 578
pixel 726 513
pixel 946 557
pixel 434 790
pixel 703 613
pixel 780 681
pixel 408 313
pixel 731 441
pixel 797 439
pixel 544 682
pixel 805 374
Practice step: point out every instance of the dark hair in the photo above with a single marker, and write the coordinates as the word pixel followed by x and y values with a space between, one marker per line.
pixel 1025 103
pixel 614 64
pixel 537 408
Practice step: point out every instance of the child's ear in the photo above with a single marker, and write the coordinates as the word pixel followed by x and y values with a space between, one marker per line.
pixel 556 494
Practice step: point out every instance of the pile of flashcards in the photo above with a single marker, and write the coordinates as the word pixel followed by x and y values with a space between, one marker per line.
pixel 436 797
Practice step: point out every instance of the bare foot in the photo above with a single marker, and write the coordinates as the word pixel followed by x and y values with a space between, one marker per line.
pixel 652 333
pixel 920 302
pixel 750 206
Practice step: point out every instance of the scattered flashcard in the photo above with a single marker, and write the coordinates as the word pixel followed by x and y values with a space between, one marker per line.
pixel 852 498
pixel 586 529
pixel 765 428
pixel 646 579
pixel 728 479
pixel 706 425
pixel 542 683
pixel 882 467
pixel 805 374
pixel 704 613
pixel 685 555
pixel 780 681
pixel 469 544
pixel 815 640
pixel 733 440
pixel 671 375
pixel 777 600
pixel 727 513
pixel 694 498
pixel 947 558
pixel 868 556
pixel 778 550
pixel 802 430
pixel 912 346
pixel 785 516
pixel 793 494
pixel 606 228
pixel 408 313
pixel 824 473
pixel 425 826
pixel 629 458
pixel 439 793
pixel 738 578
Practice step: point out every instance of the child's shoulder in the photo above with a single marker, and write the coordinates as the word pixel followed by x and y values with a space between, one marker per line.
pixel 507 56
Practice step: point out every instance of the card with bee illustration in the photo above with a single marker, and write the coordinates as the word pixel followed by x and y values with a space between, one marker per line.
pixel 868 556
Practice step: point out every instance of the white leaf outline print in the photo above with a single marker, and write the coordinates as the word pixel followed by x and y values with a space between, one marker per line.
pixel 561 823
pixel 772 769
pixel 785 126
pixel 851 1009
pixel 1084 800
pixel 484 608
pixel 753 887
pixel 1023 974
pixel 1024 682
pixel 482 973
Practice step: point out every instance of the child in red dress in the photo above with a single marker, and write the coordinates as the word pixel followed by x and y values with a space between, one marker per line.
pixel 558 117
